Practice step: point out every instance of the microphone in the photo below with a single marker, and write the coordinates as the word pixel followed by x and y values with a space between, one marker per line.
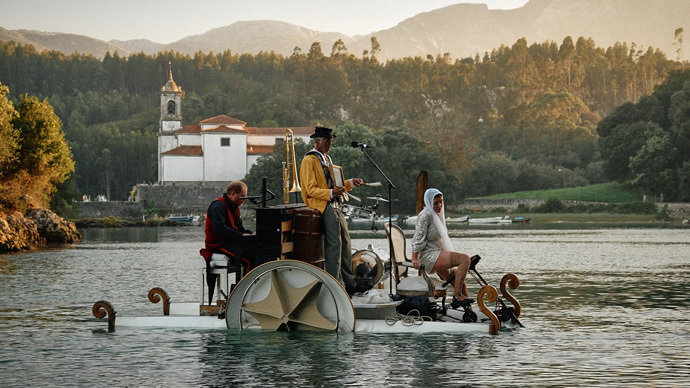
pixel 357 144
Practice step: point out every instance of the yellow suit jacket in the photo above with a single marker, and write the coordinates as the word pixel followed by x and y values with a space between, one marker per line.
pixel 315 191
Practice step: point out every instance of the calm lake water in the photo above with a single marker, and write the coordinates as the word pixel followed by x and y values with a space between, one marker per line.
pixel 600 306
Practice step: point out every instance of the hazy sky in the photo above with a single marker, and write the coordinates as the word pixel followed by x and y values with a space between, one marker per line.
pixel 170 20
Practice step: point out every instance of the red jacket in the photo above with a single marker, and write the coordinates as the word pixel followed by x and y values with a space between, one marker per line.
pixel 223 224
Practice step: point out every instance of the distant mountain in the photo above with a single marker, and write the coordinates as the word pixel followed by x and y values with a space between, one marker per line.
pixel 255 36
pixel 467 29
pixel 137 45
pixel 66 43
pixel 461 30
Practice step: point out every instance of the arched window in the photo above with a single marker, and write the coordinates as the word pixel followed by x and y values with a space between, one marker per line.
pixel 171 107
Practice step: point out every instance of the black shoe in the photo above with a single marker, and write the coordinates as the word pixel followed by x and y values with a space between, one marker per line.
pixel 473 261
pixel 461 303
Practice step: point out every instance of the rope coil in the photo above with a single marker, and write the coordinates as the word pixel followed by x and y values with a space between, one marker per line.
pixel 408 319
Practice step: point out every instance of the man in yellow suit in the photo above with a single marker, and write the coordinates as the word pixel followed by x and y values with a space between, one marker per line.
pixel 321 193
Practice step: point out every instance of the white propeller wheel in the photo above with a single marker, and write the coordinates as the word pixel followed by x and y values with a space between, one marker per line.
pixel 289 295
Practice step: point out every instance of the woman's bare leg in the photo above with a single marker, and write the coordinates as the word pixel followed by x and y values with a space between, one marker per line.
pixel 447 260
pixel 462 262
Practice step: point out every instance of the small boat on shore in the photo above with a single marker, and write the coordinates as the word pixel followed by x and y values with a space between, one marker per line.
pixel 491 220
pixel 457 220
pixel 189 219
pixel 412 220
pixel 521 219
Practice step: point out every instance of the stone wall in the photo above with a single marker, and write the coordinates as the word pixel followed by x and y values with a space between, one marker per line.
pixel 117 209
pixel 160 200
pixel 677 210
pixel 180 198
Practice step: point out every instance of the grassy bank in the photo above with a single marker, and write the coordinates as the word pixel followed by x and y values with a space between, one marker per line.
pixel 604 192
pixel 606 203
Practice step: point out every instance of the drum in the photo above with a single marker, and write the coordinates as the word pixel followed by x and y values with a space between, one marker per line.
pixel 308 241
pixel 349 210
pixel 363 212
pixel 367 267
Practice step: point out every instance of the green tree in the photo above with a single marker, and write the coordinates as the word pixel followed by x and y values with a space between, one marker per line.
pixel 339 48
pixel 9 135
pixel 37 158
pixel 402 158
pixel 652 165
pixel 315 51
pixel 44 154
pixel 492 173
pixel 649 142
pixel 375 48
pixel 678 36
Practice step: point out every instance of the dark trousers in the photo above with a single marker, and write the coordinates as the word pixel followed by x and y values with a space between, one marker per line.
pixel 338 250
pixel 241 252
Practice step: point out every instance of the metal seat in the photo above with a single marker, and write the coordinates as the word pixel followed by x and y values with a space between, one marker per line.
pixel 399 250
pixel 410 286
pixel 220 265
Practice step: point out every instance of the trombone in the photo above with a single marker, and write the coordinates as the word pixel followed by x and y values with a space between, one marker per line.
pixel 290 165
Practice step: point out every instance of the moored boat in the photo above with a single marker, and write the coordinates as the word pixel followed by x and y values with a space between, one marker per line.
pixel 491 220
pixel 412 220
pixel 521 219
pixel 188 219
pixel 457 220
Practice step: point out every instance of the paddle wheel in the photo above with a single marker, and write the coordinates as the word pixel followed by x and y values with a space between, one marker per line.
pixel 289 295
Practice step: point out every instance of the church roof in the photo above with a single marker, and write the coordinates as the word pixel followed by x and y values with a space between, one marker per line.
pixel 225 129
pixel 185 150
pixel 223 119
pixel 298 131
pixel 189 128
pixel 259 150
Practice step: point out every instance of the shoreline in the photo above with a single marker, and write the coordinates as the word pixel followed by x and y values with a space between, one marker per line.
pixel 536 219
pixel 113 222
pixel 37 228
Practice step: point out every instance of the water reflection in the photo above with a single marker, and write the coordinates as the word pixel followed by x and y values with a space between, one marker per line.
pixel 142 234
pixel 599 306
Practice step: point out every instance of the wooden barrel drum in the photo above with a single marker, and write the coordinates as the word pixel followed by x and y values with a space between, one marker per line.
pixel 308 236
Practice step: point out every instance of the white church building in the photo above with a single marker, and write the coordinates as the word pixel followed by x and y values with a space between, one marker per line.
pixel 217 149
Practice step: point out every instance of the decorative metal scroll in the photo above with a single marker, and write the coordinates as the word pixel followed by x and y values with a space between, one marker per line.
pixel 491 294
pixel 513 282
pixel 155 296
pixel 101 309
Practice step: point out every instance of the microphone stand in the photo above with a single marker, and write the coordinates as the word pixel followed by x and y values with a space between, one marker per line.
pixel 391 187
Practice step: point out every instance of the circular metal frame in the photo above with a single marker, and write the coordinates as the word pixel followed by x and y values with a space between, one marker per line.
pixel 289 295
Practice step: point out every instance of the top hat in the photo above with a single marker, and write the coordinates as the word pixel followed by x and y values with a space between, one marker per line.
pixel 322 132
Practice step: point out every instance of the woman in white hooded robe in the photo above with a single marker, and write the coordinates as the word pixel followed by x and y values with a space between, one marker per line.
pixel 431 247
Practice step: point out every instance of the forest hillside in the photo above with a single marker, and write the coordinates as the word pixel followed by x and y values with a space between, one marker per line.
pixel 520 117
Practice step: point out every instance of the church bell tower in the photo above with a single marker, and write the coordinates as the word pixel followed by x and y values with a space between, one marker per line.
pixel 171 104
pixel 171 118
